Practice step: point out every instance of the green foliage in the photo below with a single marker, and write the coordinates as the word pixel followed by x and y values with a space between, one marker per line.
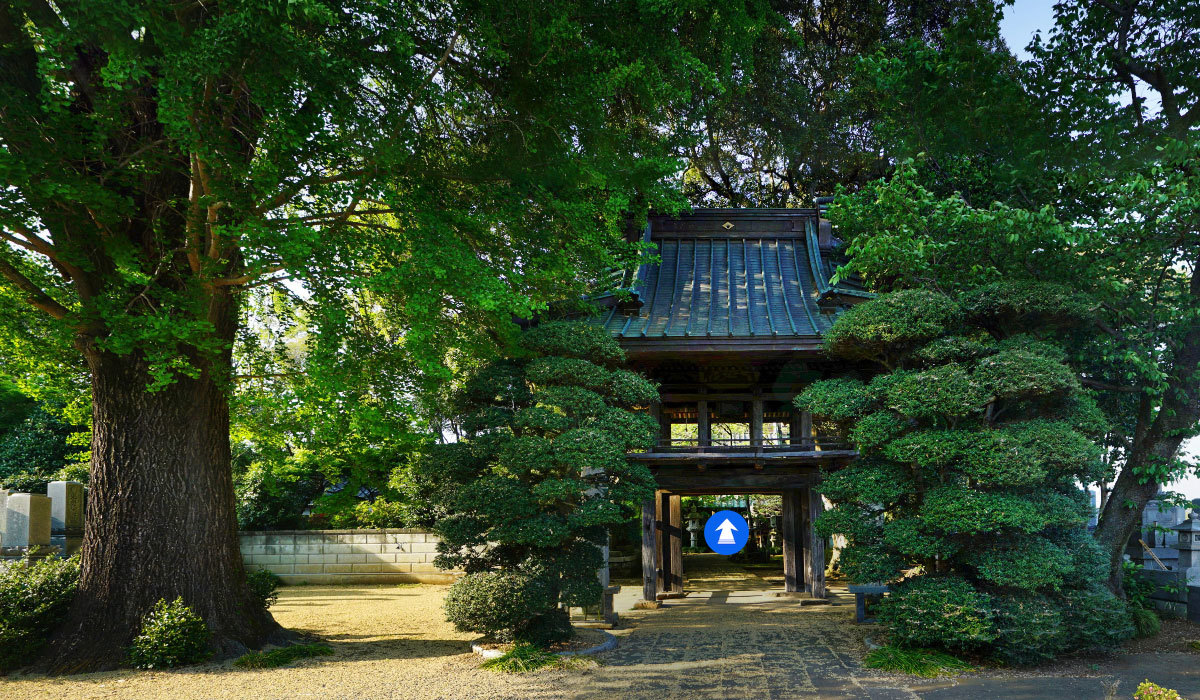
pixel 968 489
pixel 283 656
pixel 946 613
pixel 926 663
pixel 171 635
pixel 540 476
pixel 1138 587
pixel 264 586
pixel 34 597
pixel 1145 622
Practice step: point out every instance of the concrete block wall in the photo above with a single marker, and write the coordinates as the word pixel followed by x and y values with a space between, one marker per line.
pixel 345 556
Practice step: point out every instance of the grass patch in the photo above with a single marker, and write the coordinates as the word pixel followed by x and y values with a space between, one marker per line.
pixel 524 658
pixel 1194 645
pixel 282 656
pixel 925 663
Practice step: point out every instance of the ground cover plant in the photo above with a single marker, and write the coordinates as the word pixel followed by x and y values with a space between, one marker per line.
pixel 927 663
pixel 274 658
pixel 537 480
pixel 974 435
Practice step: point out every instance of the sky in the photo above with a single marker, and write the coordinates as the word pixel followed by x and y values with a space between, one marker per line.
pixel 1021 21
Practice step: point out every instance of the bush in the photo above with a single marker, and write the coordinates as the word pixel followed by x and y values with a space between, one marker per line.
pixel 1097 618
pixel 34 598
pixel 1145 622
pixel 1028 629
pixel 172 635
pixel 508 606
pixel 264 585
pixel 938 612
pixel 1152 691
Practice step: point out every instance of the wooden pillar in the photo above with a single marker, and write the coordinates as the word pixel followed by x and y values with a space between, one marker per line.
pixel 805 539
pixel 702 428
pixel 673 583
pixel 660 540
pixel 649 552
pixel 806 431
pixel 816 545
pixel 789 531
pixel 756 419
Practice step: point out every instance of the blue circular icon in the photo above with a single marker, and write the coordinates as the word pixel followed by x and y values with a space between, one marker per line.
pixel 726 532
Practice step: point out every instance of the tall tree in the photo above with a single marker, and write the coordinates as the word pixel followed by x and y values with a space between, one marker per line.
pixel 795 119
pixel 461 161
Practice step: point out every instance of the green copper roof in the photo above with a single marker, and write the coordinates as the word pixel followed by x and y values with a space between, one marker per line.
pixel 731 273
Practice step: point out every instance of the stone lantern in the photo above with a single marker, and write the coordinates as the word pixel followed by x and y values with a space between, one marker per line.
pixel 693 527
pixel 1189 547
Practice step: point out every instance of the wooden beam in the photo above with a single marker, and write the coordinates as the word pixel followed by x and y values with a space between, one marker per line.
pixel 746 483
pixel 793 578
pixel 649 553
pixel 816 506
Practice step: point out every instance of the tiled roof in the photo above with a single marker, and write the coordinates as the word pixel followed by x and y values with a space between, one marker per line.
pixel 730 274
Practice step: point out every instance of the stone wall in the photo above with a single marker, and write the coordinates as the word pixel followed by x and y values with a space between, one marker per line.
pixel 345 556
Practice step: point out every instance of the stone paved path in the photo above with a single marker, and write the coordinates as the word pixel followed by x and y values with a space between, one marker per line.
pixel 730 639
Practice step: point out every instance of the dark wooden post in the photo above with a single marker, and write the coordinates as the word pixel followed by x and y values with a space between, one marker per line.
pixel 806 431
pixel 805 538
pixel 661 563
pixel 756 419
pixel 816 506
pixel 793 578
pixel 674 582
pixel 702 428
pixel 664 429
pixel 649 552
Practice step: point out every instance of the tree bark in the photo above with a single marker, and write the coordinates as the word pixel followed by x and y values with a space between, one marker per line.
pixel 161 521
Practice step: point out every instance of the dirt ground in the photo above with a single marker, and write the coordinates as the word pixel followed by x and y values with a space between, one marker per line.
pixel 729 638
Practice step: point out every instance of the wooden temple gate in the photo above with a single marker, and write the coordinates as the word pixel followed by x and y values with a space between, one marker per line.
pixel 729 323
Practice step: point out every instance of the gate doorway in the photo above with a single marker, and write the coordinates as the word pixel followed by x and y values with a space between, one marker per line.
pixel 666 532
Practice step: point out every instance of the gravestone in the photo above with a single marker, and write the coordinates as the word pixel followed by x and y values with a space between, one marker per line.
pixel 66 507
pixel 3 513
pixel 27 520
pixel 66 515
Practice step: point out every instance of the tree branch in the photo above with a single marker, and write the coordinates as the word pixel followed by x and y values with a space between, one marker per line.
pixel 37 297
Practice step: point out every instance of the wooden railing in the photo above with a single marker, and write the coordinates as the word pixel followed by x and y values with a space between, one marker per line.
pixel 733 445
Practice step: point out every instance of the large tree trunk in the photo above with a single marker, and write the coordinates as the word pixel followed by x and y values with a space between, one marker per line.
pixel 160 517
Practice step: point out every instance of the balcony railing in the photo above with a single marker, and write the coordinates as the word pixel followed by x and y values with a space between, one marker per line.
pixel 735 445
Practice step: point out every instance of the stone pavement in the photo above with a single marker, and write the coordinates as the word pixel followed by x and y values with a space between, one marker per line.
pixel 730 639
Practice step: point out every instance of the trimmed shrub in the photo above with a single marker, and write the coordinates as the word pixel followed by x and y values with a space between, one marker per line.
pixel 172 635
pixel 34 598
pixel 508 606
pixel 1097 618
pixel 264 585
pixel 938 612
pixel 1152 691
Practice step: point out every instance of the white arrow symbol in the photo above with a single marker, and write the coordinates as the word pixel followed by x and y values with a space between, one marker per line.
pixel 726 529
